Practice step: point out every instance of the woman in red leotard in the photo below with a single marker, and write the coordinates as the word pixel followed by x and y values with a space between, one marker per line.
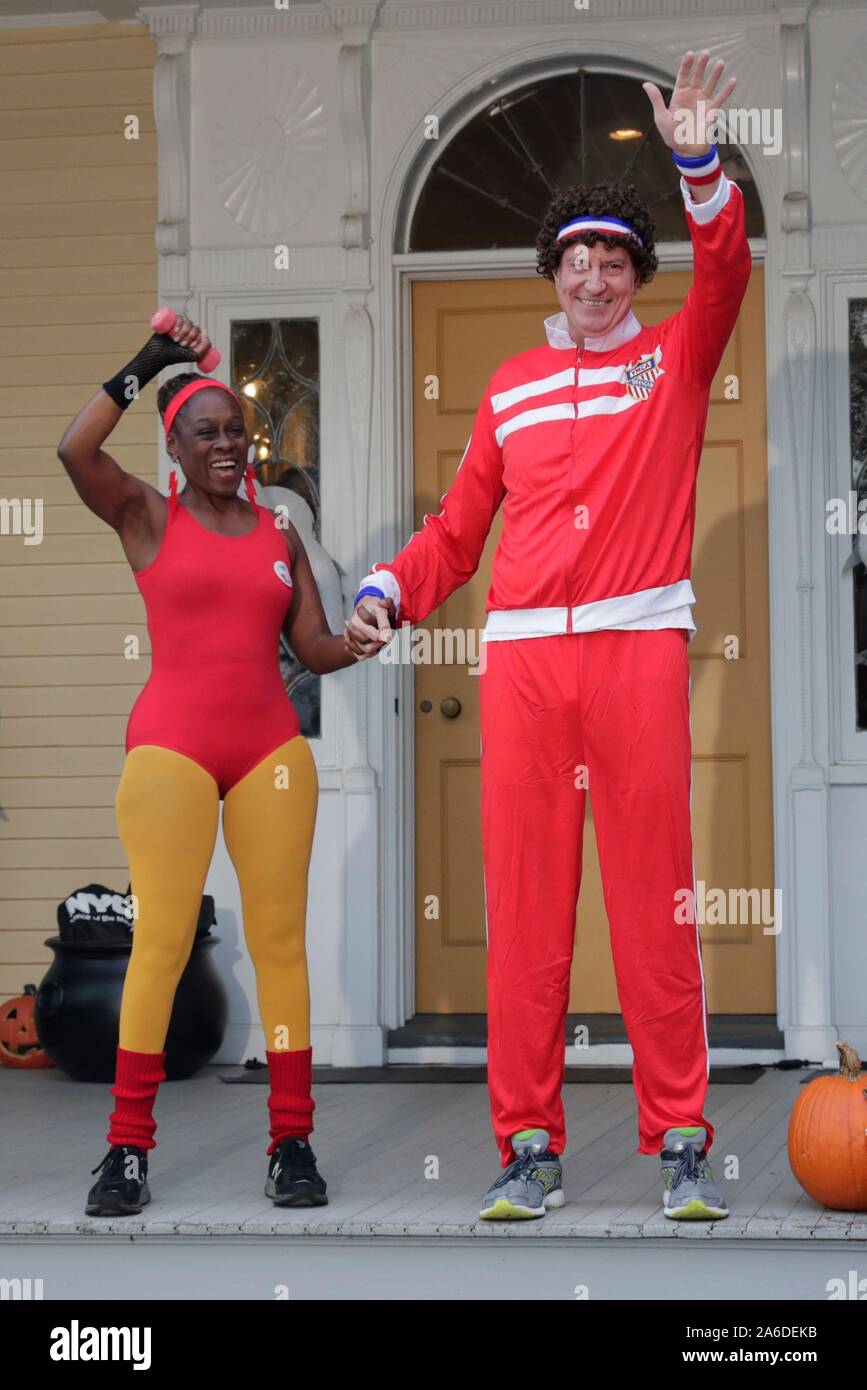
pixel 220 579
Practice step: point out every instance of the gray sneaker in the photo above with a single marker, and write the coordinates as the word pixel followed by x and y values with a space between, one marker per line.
pixel 530 1185
pixel 691 1194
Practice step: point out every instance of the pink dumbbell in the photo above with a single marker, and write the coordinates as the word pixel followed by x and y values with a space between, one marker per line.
pixel 164 320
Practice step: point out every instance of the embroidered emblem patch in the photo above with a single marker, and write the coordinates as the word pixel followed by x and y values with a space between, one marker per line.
pixel 281 569
pixel 641 374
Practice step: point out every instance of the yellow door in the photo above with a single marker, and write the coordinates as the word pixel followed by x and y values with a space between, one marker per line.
pixel 461 331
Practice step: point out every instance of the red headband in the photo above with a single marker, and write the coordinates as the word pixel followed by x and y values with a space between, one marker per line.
pixel 184 394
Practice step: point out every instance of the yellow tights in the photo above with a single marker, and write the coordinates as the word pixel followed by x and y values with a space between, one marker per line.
pixel 167 810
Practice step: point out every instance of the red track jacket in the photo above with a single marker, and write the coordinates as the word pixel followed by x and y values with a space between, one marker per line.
pixel 593 454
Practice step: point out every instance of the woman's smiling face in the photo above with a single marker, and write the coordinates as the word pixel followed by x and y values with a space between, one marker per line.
pixel 595 288
pixel 211 443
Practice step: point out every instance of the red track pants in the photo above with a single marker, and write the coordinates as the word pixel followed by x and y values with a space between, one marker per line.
pixel 617 704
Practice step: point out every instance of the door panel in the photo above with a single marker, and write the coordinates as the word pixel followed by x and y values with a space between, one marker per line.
pixel 461 331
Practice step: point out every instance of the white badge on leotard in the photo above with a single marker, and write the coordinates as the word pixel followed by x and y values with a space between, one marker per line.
pixel 281 569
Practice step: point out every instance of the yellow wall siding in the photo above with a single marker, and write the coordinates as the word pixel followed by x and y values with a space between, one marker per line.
pixel 78 282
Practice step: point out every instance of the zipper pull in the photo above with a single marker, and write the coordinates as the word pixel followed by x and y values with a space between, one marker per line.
pixel 579 353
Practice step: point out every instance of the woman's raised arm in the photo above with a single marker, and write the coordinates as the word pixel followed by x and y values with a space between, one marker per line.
pixel 101 483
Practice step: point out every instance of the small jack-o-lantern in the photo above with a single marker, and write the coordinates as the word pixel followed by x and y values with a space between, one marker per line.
pixel 19 1043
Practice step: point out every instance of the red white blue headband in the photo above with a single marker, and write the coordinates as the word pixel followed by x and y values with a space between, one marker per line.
pixel 608 226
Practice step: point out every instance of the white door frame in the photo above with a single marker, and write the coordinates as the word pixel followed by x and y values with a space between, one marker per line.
pixel 407 269
pixel 803 976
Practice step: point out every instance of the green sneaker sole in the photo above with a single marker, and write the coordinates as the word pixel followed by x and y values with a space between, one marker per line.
pixel 505 1210
pixel 696 1210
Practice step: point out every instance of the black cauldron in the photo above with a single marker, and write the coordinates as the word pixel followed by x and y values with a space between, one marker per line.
pixel 77 1009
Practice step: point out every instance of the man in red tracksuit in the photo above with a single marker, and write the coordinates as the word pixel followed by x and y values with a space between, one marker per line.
pixel 591 444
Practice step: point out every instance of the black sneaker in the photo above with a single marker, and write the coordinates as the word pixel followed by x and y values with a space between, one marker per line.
pixel 122 1188
pixel 292 1177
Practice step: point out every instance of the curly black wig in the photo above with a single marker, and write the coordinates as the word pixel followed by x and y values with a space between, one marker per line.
pixel 597 200
pixel 170 388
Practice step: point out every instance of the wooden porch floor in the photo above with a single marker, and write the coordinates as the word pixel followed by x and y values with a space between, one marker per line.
pixel 373 1143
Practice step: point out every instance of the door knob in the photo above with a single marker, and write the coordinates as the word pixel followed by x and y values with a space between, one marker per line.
pixel 451 707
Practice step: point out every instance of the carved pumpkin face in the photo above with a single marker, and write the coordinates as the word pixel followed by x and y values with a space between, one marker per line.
pixel 19 1043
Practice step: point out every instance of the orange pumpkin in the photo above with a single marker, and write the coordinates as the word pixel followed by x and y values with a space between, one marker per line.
pixel 828 1136
pixel 19 1042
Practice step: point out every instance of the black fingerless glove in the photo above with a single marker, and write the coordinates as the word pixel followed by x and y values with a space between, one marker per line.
pixel 158 352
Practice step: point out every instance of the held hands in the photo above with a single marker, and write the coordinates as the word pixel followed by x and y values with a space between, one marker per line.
pixel 693 104
pixel 369 628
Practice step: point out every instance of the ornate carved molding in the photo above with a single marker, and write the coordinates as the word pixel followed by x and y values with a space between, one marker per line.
pixel 796 194
pixel 316 20
pixel 172 31
pixel 413 79
pixel 799 321
pixel 355 22
pixel 745 51
pixel 404 14
pixel 168 22
pixel 298 19
pixel 171 107
pixel 849 120
pixel 352 73
pixel 269 147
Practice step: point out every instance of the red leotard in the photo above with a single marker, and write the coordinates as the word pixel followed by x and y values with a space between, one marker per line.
pixel 215 606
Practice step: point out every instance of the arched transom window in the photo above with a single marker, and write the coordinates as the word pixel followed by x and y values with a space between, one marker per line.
pixel 493 180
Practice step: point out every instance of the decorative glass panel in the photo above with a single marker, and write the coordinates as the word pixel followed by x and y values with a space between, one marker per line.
pixel 858 439
pixel 493 181
pixel 275 370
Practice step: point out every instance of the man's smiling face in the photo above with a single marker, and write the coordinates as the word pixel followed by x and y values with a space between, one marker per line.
pixel 595 288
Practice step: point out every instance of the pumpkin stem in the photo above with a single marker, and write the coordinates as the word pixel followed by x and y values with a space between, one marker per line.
pixel 850 1062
